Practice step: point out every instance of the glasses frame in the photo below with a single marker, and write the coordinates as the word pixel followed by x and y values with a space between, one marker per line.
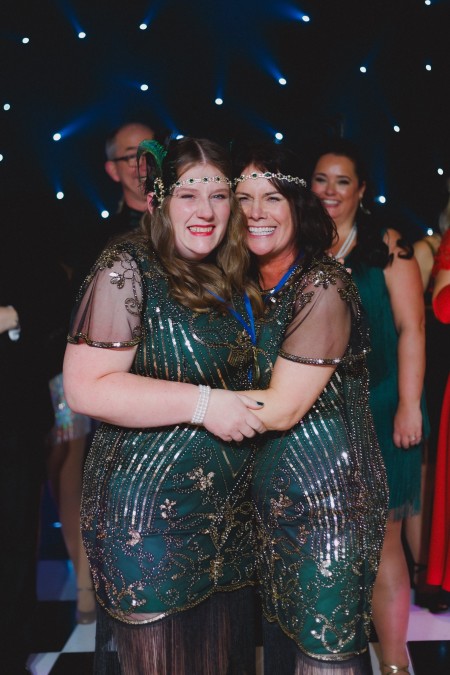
pixel 131 160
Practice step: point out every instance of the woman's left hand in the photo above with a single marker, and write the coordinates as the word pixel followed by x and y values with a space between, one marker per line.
pixel 407 426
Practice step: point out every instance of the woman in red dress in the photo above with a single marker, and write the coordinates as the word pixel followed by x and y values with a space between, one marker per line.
pixel 439 560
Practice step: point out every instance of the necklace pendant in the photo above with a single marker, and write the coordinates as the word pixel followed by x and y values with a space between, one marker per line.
pixel 241 353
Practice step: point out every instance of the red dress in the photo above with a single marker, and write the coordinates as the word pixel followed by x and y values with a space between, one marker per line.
pixel 439 559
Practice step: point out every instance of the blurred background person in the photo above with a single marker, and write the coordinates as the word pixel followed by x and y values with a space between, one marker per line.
pixel 439 560
pixel 67 448
pixel 122 167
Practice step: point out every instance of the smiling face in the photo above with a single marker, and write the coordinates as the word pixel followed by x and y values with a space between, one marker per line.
pixel 337 185
pixel 270 226
pixel 199 213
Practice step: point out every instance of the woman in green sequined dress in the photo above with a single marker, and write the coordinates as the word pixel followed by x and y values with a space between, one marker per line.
pixel 319 484
pixel 166 515
pixel 389 282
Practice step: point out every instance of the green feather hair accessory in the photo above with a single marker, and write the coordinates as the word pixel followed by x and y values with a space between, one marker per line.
pixel 155 149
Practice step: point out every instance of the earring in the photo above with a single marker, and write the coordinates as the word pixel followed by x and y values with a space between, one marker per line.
pixel 363 208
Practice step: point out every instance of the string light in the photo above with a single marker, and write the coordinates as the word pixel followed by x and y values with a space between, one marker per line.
pixel 57 137
pixel 440 171
pixel 279 136
pixel 282 81
pixel 81 34
pixel 306 18
pixel 25 40
pixel 6 106
pixel 428 66
pixel 1 157
pixel 143 26
pixel 104 213
pixel 218 101
pixel 144 87
pixel 381 199
pixel 430 231
pixel 60 195
pixel 396 128
pixel 363 69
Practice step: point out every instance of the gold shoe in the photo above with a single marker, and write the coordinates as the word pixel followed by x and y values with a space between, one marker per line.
pixel 393 669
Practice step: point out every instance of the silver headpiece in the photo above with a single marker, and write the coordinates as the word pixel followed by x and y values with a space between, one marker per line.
pixel 268 175
pixel 161 192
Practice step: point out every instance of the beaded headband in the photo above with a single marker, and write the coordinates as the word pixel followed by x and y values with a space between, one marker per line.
pixel 161 193
pixel 268 175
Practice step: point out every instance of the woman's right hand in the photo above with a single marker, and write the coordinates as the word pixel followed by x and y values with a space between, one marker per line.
pixel 230 418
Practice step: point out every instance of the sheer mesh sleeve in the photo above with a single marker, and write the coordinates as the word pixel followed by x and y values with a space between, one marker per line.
pixel 108 311
pixel 321 328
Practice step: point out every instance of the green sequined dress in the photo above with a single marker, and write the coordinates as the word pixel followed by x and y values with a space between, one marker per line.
pixel 166 513
pixel 320 488
pixel 403 466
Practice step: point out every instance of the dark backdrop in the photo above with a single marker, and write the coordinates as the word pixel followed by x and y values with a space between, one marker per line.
pixel 193 51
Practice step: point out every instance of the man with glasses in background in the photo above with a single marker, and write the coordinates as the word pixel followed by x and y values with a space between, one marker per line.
pixel 121 166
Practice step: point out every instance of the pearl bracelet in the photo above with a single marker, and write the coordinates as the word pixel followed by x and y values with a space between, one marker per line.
pixel 202 404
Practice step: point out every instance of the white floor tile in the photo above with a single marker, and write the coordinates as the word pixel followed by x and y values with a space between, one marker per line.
pixel 423 625
pixel 41 664
pixel 82 639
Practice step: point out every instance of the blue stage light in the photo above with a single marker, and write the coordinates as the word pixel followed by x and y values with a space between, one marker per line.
pixel 57 524
pixel 178 136
pixel 57 137
pixel 104 213
pixel 81 34
pixel 440 171
pixel 279 136
pixel 396 128
pixel 218 101
pixel 306 18
pixel 143 26
pixel 60 195
pixel 282 81
pixel 25 40
pixel 381 199
pixel 430 231
pixel 363 69
pixel 144 87
pixel 6 106
pixel 428 66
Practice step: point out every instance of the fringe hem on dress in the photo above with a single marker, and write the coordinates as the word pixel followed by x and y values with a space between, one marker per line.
pixel 214 638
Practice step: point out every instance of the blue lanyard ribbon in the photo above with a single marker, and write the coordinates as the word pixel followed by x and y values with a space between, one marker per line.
pixel 250 326
pixel 283 279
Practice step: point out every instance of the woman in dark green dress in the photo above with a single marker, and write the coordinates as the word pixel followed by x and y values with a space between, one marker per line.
pixel 389 282
pixel 319 483
pixel 166 515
